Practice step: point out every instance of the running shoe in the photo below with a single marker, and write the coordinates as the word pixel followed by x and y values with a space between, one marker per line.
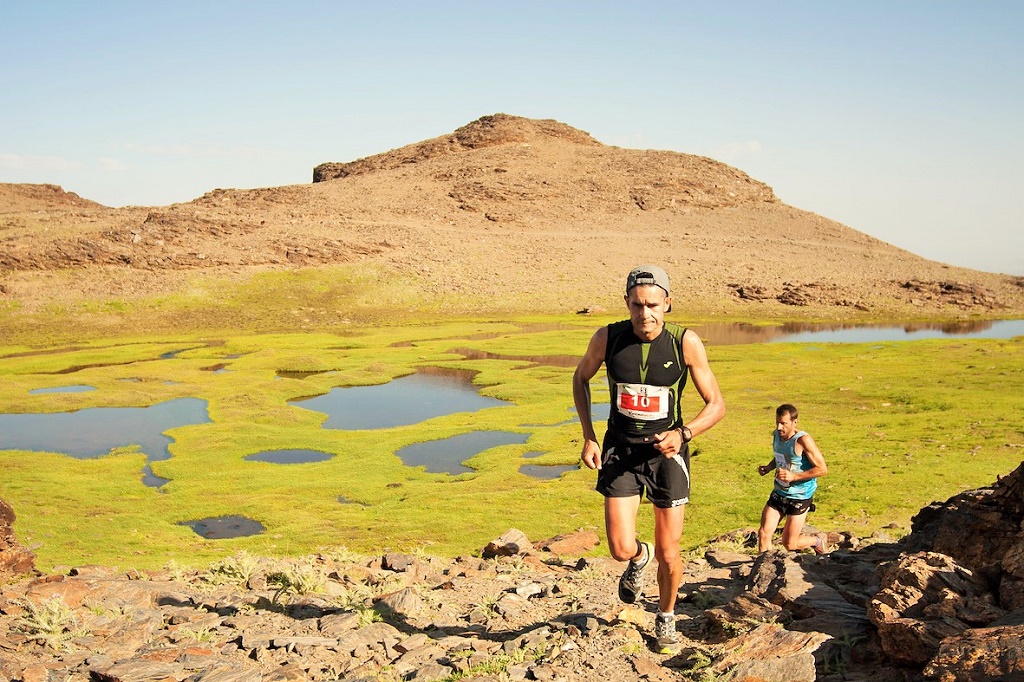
pixel 665 634
pixel 631 584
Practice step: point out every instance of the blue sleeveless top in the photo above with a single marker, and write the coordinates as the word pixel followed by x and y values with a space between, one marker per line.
pixel 785 456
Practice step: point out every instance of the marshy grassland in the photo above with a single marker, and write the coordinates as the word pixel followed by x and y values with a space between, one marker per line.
pixel 476 257
pixel 901 424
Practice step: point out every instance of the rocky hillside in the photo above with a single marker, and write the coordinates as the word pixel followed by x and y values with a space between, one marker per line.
pixel 505 214
pixel 944 603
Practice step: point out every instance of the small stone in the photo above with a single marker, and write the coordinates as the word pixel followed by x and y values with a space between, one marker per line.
pixel 394 561
pixel 429 672
pixel 530 589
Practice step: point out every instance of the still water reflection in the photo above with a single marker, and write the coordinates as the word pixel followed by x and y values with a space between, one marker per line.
pixel 547 360
pixel 219 527
pixel 94 431
pixel 151 480
pixel 446 456
pixel 732 334
pixel 728 334
pixel 430 392
pixel 77 388
pixel 546 471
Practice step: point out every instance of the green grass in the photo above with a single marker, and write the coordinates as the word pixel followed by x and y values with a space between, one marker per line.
pixel 901 424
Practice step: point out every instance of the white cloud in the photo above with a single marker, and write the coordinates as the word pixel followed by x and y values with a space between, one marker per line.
pixel 29 162
pixel 737 150
pixel 196 150
pixel 108 164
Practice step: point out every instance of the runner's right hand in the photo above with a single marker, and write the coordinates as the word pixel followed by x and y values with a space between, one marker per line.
pixel 591 454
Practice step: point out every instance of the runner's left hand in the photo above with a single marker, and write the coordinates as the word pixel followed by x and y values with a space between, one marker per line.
pixel 668 443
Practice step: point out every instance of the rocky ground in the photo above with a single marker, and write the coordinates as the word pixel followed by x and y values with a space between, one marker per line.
pixel 944 603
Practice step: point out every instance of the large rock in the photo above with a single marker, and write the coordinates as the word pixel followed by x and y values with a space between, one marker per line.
pixel 926 597
pixel 742 613
pixel 770 653
pixel 961 570
pixel 15 560
pixel 806 595
pixel 778 579
pixel 920 601
pixel 995 653
pixel 982 530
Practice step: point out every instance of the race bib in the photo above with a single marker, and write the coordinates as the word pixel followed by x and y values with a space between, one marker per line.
pixel 780 464
pixel 643 402
pixel 780 460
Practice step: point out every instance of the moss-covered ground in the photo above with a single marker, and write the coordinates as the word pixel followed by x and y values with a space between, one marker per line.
pixel 901 424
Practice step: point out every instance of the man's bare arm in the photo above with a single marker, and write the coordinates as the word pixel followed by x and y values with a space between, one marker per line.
pixel 705 382
pixel 585 371
pixel 813 453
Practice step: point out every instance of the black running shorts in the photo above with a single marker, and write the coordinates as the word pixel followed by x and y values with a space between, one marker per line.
pixel 787 506
pixel 635 469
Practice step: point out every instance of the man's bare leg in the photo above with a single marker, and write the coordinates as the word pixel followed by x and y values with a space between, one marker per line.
pixel 791 533
pixel 770 518
pixel 668 531
pixel 620 526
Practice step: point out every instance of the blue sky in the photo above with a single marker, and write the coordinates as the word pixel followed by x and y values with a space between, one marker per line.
pixel 902 119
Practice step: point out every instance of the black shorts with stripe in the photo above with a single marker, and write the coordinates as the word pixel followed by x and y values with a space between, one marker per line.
pixel 629 469
pixel 788 506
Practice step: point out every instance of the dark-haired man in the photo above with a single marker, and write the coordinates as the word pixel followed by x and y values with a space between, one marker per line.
pixel 798 464
pixel 645 447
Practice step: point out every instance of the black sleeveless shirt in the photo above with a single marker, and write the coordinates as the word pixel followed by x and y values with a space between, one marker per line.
pixel 645 379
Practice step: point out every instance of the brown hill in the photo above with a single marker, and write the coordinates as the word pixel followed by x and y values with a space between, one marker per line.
pixel 504 215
